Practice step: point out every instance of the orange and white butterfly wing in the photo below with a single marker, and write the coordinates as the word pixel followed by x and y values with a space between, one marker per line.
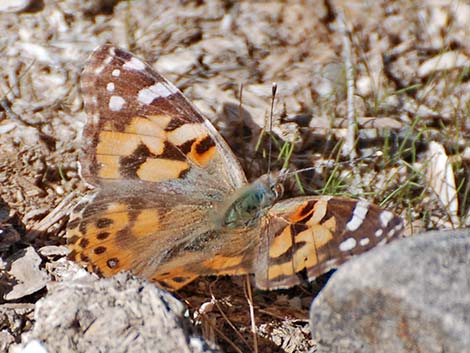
pixel 314 234
pixel 141 128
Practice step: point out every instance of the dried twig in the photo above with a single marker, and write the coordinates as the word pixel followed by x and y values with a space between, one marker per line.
pixel 249 299
pixel 58 213
pixel 348 147
pixel 227 320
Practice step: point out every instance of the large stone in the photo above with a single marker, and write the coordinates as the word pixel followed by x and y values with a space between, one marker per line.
pixel 410 296
pixel 119 314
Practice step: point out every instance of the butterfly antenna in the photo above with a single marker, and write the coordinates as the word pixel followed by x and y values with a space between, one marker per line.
pixel 240 104
pixel 240 110
pixel 286 172
pixel 270 125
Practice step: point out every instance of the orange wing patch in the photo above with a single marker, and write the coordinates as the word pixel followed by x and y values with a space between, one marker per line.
pixel 103 242
pixel 225 265
pixel 281 243
pixel 194 141
pixel 300 243
pixel 175 280
pixel 144 150
pixel 160 169
pixel 146 222
pixel 202 151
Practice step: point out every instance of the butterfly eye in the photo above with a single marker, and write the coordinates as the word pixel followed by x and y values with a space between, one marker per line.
pixel 278 189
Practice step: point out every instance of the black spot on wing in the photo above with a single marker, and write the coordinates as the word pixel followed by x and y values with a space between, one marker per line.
pixel 124 55
pixel 103 222
pixel 103 235
pixel 204 145
pixel 113 262
pixel 172 153
pixel 130 164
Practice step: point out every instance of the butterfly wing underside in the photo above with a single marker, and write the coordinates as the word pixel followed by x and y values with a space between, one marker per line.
pixel 141 127
pixel 314 234
pixel 158 165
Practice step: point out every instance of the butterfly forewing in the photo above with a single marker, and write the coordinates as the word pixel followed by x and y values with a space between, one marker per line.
pixel 315 234
pixel 141 127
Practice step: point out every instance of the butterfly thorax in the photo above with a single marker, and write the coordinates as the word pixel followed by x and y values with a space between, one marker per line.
pixel 248 204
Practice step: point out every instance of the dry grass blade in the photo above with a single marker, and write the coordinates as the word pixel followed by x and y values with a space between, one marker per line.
pixel 221 311
pixel 249 298
pixel 348 147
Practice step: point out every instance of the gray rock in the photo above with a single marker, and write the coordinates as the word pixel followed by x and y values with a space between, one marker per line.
pixel 410 296
pixel 119 314
pixel 27 276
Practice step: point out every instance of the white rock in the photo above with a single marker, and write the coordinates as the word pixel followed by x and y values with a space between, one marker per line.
pixel 446 61
pixel 14 5
pixel 26 273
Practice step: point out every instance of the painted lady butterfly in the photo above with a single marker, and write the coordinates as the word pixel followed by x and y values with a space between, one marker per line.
pixel 172 202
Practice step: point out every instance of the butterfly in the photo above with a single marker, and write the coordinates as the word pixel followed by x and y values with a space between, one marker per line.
pixel 172 203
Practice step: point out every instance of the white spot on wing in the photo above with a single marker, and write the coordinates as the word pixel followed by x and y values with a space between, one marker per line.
pixel 379 233
pixel 110 87
pixel 134 64
pixel 398 228
pixel 158 90
pixel 93 119
pixel 348 244
pixel 364 241
pixel 116 72
pixel 359 213
pixel 99 70
pixel 116 103
pixel 108 60
pixel 385 218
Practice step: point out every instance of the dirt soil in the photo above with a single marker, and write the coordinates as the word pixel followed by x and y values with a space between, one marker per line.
pixel 409 91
